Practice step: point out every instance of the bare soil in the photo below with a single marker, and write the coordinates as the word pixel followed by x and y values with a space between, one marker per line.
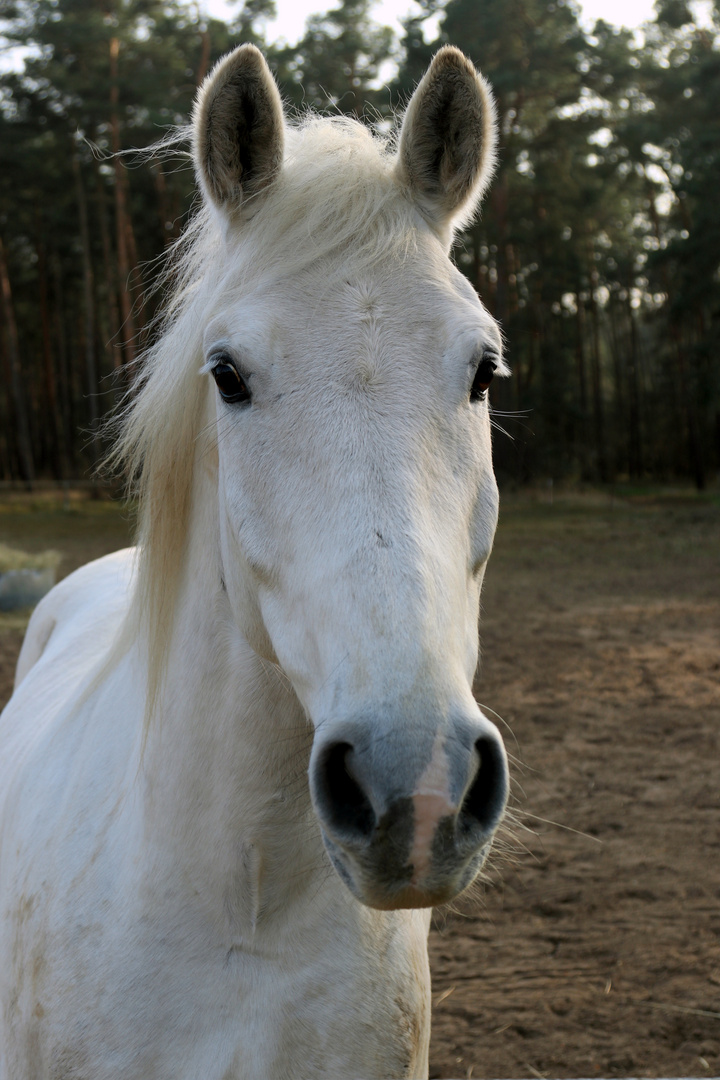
pixel 594 950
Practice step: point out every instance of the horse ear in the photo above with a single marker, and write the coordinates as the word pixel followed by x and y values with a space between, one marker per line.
pixel 238 129
pixel 446 152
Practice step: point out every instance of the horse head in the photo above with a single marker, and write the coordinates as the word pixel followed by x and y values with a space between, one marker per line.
pixel 348 363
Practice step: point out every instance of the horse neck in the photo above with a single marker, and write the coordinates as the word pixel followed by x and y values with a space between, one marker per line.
pixel 226 755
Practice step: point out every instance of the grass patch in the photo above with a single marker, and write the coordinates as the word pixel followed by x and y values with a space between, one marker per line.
pixel 78 528
pixel 14 620
pixel 14 559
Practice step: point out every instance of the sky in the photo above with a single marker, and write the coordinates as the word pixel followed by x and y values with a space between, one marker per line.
pixel 292 14
pixel 290 22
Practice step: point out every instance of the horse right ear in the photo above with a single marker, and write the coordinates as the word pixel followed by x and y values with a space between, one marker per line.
pixel 238 129
pixel 446 151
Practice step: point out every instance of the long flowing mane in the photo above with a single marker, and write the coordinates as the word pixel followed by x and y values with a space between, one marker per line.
pixel 335 197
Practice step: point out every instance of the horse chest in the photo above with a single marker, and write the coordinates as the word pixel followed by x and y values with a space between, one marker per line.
pixel 174 1002
pixel 340 1016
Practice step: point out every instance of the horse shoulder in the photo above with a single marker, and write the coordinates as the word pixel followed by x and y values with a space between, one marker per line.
pixel 65 758
pixel 92 593
pixel 69 728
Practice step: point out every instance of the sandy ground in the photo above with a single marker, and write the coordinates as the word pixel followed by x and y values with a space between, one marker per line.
pixel 594 949
pixel 597 951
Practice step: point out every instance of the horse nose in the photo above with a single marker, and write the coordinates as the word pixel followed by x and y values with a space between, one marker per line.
pixel 343 802
pixel 484 798
pixel 414 808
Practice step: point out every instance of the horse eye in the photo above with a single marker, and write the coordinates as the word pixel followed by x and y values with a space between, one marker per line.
pixel 483 378
pixel 232 388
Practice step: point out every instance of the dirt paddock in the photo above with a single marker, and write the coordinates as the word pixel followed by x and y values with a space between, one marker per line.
pixel 595 948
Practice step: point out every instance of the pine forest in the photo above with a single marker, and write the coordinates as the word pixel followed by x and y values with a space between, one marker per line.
pixel 598 247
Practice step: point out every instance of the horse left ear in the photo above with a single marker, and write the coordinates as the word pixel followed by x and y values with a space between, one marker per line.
pixel 446 151
pixel 238 129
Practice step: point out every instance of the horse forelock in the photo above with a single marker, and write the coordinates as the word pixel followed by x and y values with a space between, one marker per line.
pixel 335 196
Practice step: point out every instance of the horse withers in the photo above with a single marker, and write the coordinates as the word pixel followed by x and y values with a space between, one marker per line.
pixel 277 682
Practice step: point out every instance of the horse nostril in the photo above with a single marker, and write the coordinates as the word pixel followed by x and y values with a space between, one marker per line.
pixel 484 803
pixel 346 809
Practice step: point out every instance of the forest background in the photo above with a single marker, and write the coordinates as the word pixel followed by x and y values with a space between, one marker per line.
pixel 598 247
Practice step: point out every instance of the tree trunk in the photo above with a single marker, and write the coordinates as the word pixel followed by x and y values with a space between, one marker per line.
pixel 204 56
pixel 695 451
pixel 582 384
pixel 89 311
pixel 16 384
pixel 635 439
pixel 65 394
pixel 56 425
pixel 620 448
pixel 112 318
pixel 121 213
pixel 596 378
pixel 7 455
pixel 166 231
pixel 500 209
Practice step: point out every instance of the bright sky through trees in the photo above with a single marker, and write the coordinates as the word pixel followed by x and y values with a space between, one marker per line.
pixel 292 14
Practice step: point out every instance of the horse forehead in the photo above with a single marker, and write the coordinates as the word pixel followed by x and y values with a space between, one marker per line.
pixel 373 314
pixel 391 295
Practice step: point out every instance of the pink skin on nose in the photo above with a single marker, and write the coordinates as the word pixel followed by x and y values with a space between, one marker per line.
pixel 431 802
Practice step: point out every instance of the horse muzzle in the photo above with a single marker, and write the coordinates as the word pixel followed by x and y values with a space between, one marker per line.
pixel 408 821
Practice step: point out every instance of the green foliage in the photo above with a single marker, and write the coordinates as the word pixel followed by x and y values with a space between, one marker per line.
pixel 597 248
pixel 336 63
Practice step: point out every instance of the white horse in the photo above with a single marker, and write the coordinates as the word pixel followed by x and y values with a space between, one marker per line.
pixel 279 681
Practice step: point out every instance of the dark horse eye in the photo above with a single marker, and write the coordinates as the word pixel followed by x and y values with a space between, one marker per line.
pixel 483 378
pixel 232 388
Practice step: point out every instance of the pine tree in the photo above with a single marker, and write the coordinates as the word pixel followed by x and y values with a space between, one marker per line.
pixel 337 62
